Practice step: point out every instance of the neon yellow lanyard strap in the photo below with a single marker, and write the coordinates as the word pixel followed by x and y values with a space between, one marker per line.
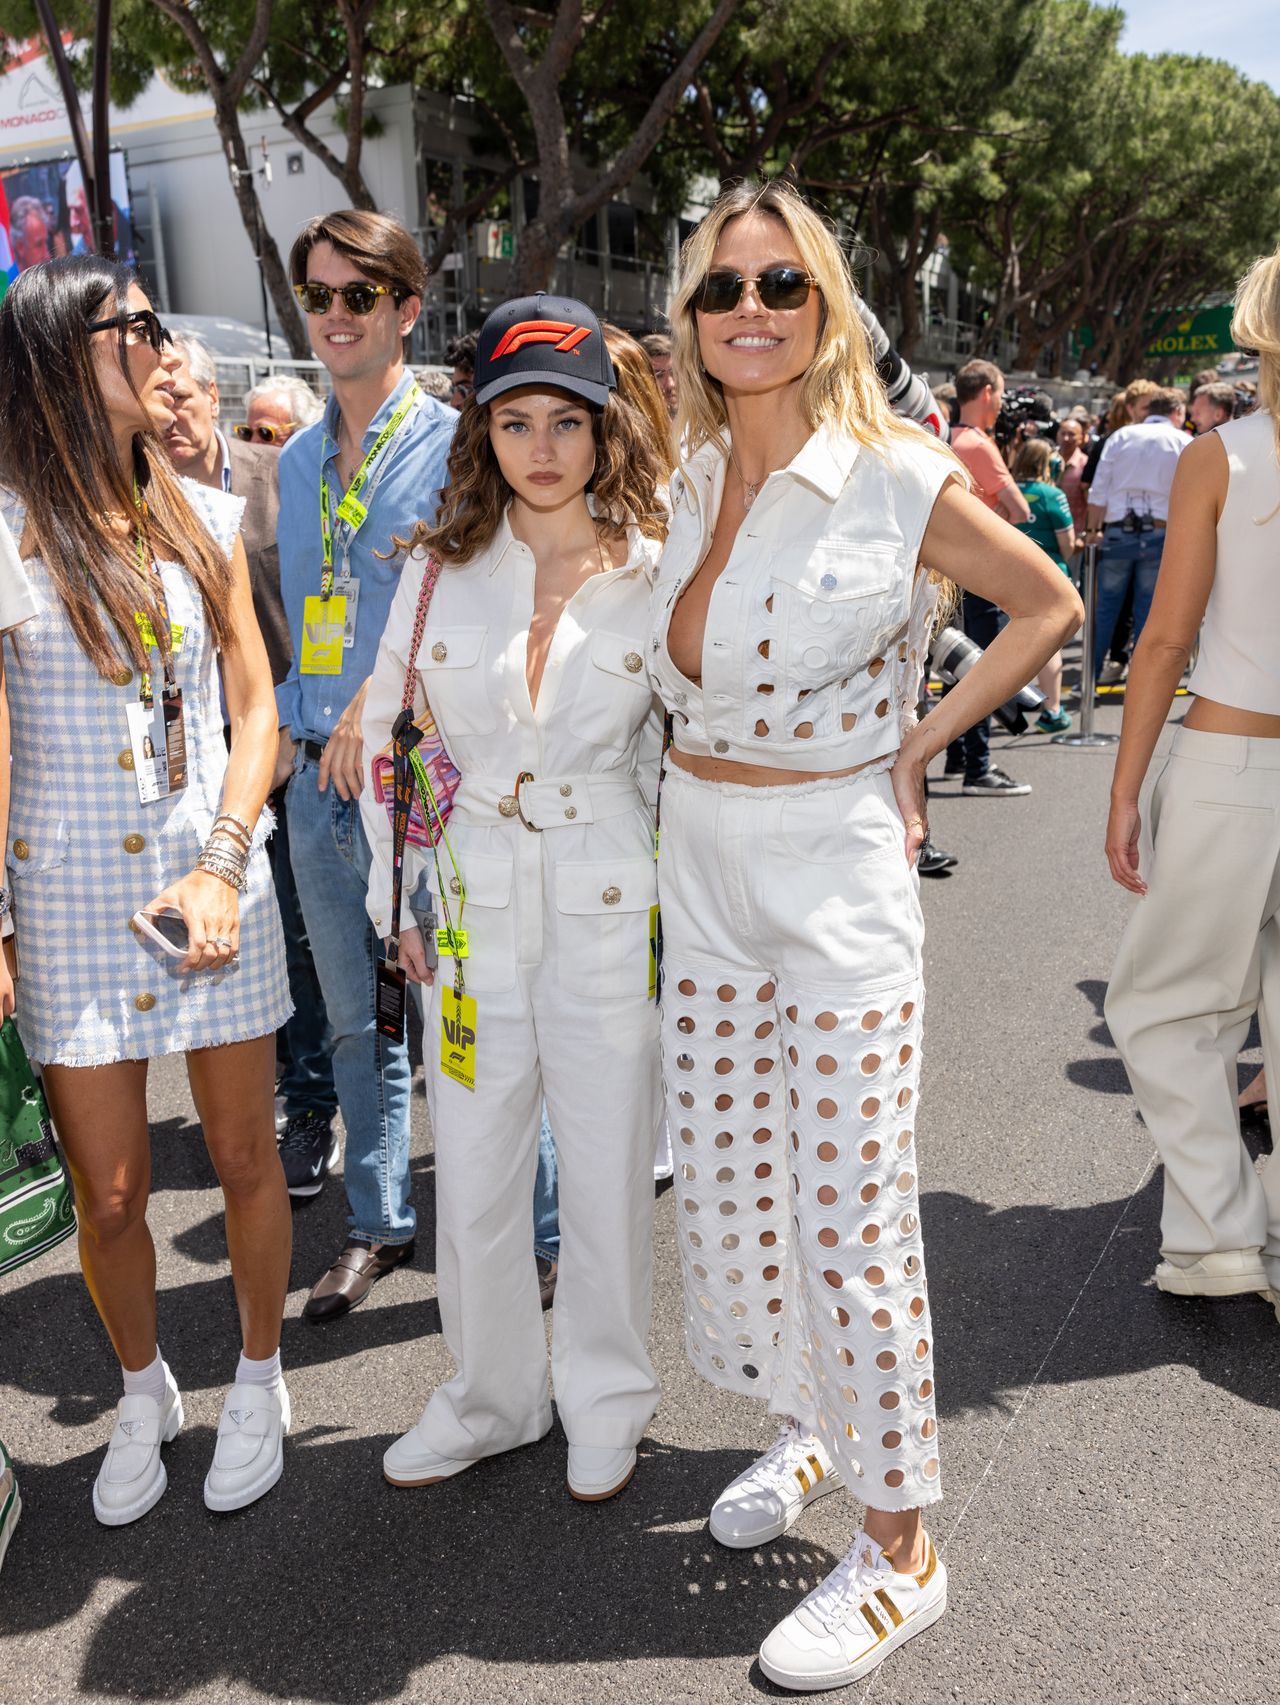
pixel 351 510
pixel 149 571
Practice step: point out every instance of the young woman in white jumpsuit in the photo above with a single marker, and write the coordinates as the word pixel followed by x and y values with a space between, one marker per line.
pixel 532 662
pixel 792 613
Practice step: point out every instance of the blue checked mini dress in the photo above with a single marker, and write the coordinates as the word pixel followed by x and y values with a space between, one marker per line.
pixel 83 854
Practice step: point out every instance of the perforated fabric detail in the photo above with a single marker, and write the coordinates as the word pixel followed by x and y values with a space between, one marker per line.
pixel 793 1120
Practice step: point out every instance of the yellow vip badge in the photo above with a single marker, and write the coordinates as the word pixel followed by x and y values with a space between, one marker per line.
pixel 655 937
pixel 324 624
pixel 458 1037
pixel 176 633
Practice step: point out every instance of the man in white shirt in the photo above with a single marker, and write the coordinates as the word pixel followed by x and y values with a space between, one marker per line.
pixel 1128 509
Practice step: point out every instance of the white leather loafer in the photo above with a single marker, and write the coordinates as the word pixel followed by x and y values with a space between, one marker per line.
pixel 597 1472
pixel 410 1461
pixel 248 1458
pixel 132 1478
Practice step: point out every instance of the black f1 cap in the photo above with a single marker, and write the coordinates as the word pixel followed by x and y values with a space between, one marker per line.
pixel 543 340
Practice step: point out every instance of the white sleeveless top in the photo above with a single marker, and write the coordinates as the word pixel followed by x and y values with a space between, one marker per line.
pixel 1239 662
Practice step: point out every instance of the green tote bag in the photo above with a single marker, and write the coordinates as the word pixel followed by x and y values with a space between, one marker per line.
pixel 35 1200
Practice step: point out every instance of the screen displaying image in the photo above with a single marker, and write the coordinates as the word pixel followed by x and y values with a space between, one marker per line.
pixel 44 213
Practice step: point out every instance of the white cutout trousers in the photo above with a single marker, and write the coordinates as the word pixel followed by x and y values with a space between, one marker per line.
pixel 792 1004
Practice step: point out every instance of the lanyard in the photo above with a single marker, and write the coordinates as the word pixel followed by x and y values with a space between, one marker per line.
pixel 351 510
pixel 149 569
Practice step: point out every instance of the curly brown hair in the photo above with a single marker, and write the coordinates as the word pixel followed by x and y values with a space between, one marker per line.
pixel 475 495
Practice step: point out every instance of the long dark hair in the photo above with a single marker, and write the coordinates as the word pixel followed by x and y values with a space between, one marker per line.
pixel 57 452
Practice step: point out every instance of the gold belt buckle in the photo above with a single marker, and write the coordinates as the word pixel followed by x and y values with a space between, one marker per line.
pixel 525 775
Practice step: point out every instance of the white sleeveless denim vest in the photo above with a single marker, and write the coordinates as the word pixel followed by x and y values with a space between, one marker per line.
pixel 818 626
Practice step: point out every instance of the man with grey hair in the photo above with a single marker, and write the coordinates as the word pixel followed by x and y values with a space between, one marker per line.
pixel 276 408
pixel 198 449
pixel 29 231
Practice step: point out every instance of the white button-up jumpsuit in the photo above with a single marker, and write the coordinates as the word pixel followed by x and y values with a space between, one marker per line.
pixel 792 992
pixel 557 917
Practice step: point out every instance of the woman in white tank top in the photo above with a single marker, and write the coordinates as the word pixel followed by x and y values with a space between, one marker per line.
pixel 1201 953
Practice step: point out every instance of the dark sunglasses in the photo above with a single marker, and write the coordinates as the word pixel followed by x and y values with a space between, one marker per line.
pixel 264 434
pixel 777 288
pixel 360 298
pixel 144 321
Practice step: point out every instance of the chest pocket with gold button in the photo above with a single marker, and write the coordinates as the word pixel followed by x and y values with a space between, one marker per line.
pixel 452 664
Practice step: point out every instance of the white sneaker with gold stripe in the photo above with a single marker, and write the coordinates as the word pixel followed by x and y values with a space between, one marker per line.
pixel 765 1501
pixel 856 1617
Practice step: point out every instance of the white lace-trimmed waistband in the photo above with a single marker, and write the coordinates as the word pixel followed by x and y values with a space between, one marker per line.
pixel 792 789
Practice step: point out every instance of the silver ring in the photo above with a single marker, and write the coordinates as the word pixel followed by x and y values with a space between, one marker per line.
pixel 221 941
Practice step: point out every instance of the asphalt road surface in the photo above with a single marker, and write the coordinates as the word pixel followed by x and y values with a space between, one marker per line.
pixel 1109 1454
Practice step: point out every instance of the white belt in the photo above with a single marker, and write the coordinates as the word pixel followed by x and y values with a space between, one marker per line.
pixel 559 803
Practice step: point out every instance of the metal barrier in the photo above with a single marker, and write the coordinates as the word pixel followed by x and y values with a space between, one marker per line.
pixel 1086 735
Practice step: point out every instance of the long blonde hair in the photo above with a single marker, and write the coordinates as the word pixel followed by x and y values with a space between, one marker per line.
pixel 1255 324
pixel 841 388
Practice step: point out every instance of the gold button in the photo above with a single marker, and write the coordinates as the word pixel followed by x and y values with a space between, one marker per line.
pixel 720 746
pixel 455 887
pixel 122 677
pixel 134 843
pixel 507 805
pixel 565 790
pixel 633 663
pixel 611 896
pixel 439 651
pixel 125 759
pixel 144 1003
pixel 21 850
pixel 571 810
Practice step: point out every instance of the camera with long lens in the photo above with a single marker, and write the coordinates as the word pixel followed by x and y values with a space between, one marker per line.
pixel 954 654
pixel 1025 413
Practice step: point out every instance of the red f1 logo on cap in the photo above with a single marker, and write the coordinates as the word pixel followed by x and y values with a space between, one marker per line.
pixel 563 337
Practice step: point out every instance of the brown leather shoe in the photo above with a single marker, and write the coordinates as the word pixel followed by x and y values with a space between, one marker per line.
pixel 547 1271
pixel 352 1276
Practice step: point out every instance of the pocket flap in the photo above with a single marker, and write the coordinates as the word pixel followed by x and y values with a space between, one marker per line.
pixel 35 849
pixel 622 655
pixel 607 885
pixel 487 879
pixel 836 569
pixel 451 648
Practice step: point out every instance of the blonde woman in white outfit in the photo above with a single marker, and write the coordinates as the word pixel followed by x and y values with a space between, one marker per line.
pixel 532 662
pixel 1201 953
pixel 792 616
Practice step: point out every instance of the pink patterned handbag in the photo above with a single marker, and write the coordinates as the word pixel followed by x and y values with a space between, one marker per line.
pixel 439 767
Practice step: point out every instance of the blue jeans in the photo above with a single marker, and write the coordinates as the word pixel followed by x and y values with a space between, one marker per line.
pixel 546 1196
pixel 982 621
pixel 306 1081
pixel 1125 557
pixel 330 859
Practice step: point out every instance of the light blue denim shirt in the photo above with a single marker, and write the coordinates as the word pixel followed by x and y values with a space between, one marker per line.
pixel 404 487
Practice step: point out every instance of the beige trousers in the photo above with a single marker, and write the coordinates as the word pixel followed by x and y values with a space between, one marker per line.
pixel 1201 955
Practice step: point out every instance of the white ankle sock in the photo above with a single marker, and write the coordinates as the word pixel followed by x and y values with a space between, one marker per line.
pixel 148 1381
pixel 266 1373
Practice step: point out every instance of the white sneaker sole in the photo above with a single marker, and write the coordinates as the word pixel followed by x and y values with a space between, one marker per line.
pixel 830 1482
pixel 854 1672
pixel 149 1500
pixel 1176 1281
pixel 432 1479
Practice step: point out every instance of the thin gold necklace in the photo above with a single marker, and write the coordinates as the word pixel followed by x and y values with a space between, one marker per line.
pixel 749 491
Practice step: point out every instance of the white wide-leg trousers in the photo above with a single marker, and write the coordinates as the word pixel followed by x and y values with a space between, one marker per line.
pixel 596 1062
pixel 792 1004
pixel 1199 956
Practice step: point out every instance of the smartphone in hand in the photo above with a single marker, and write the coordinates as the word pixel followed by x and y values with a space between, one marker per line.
pixel 167 928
